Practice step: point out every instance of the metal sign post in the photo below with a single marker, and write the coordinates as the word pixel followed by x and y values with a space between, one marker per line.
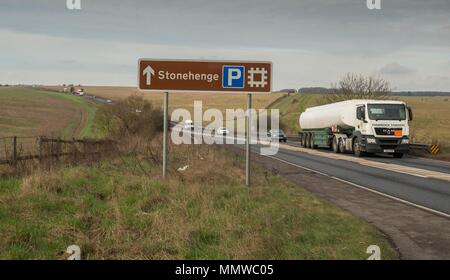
pixel 165 136
pixel 247 142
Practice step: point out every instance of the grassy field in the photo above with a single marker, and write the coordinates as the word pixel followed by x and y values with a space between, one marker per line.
pixel 122 209
pixel 31 112
pixel 431 123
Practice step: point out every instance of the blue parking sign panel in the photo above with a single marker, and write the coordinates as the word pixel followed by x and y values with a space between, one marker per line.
pixel 233 76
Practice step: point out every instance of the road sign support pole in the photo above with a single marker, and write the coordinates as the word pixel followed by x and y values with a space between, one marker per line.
pixel 165 136
pixel 247 142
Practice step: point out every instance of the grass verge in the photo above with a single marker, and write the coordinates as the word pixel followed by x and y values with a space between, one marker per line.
pixel 122 209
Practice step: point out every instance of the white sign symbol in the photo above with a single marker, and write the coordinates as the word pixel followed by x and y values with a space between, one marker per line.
pixel 374 4
pixel 253 73
pixel 233 74
pixel 148 71
pixel 73 4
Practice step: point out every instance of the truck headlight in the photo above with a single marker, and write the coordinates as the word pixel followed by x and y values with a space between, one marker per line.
pixel 405 141
pixel 371 140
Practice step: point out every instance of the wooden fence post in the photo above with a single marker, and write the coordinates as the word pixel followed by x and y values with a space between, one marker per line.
pixel 40 148
pixel 14 153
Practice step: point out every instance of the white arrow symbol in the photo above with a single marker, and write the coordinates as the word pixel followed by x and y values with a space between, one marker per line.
pixel 148 71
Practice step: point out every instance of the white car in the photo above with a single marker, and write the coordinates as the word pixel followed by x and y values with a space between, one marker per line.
pixel 222 131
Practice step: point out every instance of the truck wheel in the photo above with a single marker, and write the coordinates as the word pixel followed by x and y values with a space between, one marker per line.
pixel 311 141
pixel 357 148
pixel 308 139
pixel 335 145
pixel 397 155
pixel 341 146
pixel 303 140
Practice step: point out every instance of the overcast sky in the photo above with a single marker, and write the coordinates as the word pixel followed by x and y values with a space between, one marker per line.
pixel 311 42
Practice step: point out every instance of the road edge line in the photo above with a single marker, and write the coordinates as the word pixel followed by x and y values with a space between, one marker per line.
pixel 367 189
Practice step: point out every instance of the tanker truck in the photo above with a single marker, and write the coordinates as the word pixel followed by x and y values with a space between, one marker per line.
pixel 358 126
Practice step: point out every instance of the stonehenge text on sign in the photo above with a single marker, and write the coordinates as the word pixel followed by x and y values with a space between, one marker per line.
pixel 205 76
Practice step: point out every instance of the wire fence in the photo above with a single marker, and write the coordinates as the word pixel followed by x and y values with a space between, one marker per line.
pixel 16 149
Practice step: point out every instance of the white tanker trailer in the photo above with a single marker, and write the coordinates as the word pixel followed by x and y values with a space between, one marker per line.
pixel 358 126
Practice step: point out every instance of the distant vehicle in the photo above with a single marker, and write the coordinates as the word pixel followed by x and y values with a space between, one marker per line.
pixel 108 101
pixel 277 135
pixel 79 92
pixel 358 126
pixel 222 131
pixel 189 124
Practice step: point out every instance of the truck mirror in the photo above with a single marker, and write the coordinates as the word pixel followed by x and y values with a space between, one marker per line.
pixel 361 113
pixel 410 114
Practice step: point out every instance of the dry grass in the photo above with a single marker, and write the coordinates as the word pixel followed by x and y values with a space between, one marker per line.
pixel 122 209
pixel 43 181
pixel 431 122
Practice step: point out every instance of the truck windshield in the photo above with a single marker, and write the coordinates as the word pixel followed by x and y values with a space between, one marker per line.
pixel 387 112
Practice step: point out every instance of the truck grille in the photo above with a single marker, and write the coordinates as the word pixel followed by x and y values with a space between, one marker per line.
pixel 388 131
pixel 388 144
pixel 388 147
pixel 388 141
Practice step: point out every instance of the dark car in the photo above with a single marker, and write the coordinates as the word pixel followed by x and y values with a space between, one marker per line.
pixel 277 135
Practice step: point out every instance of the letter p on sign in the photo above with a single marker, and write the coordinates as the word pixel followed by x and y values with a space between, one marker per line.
pixel 233 76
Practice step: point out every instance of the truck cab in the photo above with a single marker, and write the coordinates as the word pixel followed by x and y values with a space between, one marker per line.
pixel 383 128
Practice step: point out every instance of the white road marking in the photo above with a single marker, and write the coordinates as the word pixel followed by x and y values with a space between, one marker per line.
pixel 366 188
pixel 396 170
pixel 422 173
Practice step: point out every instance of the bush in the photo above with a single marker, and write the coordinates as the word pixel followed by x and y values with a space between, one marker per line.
pixel 133 116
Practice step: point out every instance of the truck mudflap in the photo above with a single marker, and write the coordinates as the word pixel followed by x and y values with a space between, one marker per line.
pixel 385 145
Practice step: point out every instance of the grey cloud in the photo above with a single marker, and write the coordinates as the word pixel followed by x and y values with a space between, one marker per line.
pixel 395 69
pixel 342 36
pixel 345 25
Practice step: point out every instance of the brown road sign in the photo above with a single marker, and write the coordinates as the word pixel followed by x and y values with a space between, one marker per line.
pixel 205 76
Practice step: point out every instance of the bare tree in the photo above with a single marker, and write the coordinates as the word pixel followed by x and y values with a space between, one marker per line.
pixel 354 86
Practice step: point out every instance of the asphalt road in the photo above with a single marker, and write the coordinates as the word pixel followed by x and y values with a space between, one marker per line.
pixel 423 182
pixel 417 162
pixel 420 182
